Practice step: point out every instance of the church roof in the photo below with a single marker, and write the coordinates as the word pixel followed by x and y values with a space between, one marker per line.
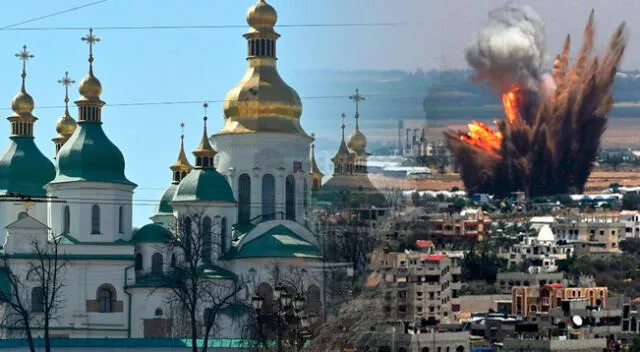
pixel 165 201
pixel 277 242
pixel 24 169
pixel 90 156
pixel 151 233
pixel 204 185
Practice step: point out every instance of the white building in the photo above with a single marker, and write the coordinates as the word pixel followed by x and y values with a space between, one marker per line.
pixel 253 192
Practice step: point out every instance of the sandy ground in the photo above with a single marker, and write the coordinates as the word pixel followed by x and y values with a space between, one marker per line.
pixel 598 181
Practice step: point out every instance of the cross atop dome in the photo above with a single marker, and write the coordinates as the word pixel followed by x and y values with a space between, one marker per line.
pixel 24 56
pixel 90 39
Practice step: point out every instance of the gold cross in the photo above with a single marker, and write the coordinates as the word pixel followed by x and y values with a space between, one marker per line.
pixel 66 81
pixel 91 40
pixel 24 56
pixel 357 98
pixel 205 106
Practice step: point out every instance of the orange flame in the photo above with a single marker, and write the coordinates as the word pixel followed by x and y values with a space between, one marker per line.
pixel 512 101
pixel 482 136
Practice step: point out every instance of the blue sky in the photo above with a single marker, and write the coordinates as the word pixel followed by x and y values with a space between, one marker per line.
pixel 146 66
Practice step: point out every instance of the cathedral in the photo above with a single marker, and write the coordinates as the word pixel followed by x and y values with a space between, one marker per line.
pixel 251 181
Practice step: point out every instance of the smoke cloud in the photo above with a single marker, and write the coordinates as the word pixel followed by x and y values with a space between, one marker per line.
pixel 547 146
pixel 510 50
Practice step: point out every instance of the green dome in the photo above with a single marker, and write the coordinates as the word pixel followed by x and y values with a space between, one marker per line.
pixel 151 233
pixel 205 185
pixel 90 156
pixel 24 169
pixel 165 201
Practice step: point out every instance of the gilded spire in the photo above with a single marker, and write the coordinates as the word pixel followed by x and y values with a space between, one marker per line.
pixel 262 101
pixel 90 87
pixel 65 125
pixel 22 104
pixel 357 141
pixel 182 166
pixel 343 150
pixel 315 170
pixel 204 152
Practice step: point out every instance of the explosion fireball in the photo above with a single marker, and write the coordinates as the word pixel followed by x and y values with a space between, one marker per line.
pixel 553 124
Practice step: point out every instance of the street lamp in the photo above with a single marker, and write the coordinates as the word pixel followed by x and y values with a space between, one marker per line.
pixel 287 317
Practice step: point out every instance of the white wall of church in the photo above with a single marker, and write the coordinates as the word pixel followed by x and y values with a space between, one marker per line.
pixel 258 154
pixel 80 198
pixel 9 213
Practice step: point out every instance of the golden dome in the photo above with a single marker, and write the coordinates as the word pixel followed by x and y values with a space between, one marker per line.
pixel 90 87
pixel 22 103
pixel 261 15
pixel 65 126
pixel 182 163
pixel 262 102
pixel 357 142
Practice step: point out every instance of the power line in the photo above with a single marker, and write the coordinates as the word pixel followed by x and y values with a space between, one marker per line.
pixel 182 102
pixel 11 26
pixel 188 27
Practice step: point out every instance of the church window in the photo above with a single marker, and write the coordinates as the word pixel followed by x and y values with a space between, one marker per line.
pixel 121 219
pixel 105 300
pixel 268 48
pixel 173 260
pixel 95 220
pixel 253 48
pixel 268 197
pixel 66 220
pixel 186 236
pixel 305 187
pixel 244 198
pixel 223 235
pixel 138 261
pixel 206 239
pixel 37 300
pixel 290 199
pixel 158 312
pixel 156 264
pixel 258 47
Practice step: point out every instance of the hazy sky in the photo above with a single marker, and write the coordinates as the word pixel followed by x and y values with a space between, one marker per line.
pixel 150 66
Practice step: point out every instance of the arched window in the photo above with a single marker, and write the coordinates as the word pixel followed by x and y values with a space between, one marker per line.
pixel 37 300
pixel 156 264
pixel 106 298
pixel 268 197
pixel 173 260
pixel 223 235
pixel 186 236
pixel 305 189
pixel 244 198
pixel 290 198
pixel 138 261
pixel 121 219
pixel 95 220
pixel 206 239
pixel 66 220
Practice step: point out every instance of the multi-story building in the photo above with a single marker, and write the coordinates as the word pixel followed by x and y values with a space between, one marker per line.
pixel 469 223
pixel 631 220
pixel 533 300
pixel 604 228
pixel 541 251
pixel 420 286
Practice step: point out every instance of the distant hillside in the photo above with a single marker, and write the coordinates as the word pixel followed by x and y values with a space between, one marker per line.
pixel 443 94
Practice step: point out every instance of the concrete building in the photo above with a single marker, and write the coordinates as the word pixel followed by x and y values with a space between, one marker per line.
pixel 420 286
pixel 604 228
pixel 533 300
pixel 540 251
pixel 469 223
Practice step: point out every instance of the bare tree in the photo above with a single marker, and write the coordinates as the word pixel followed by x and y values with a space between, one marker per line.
pixel 284 317
pixel 193 280
pixel 30 306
